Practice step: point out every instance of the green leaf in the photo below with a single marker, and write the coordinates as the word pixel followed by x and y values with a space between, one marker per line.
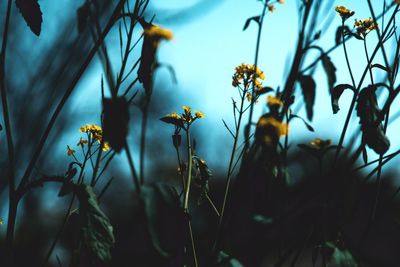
pixel 309 127
pixel 339 32
pixel 247 23
pixel 224 260
pixel 368 111
pixel 330 71
pixel 165 219
pixel 308 88
pixel 30 11
pixel 336 93
pixel 341 257
pixel 96 229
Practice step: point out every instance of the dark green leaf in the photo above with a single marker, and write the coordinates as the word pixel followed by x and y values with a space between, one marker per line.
pixel 247 23
pixel 83 13
pixel 309 127
pixel 224 260
pixel 165 219
pixel 30 11
pixel 341 258
pixel 336 93
pixel 175 121
pixel 330 71
pixel 308 88
pixel 96 229
pixel 264 90
pixel 339 31
pixel 371 122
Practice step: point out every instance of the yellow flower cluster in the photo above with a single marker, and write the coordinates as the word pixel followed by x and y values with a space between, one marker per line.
pixel 344 12
pixel 280 127
pixel 95 132
pixel 248 74
pixel 363 27
pixel 186 118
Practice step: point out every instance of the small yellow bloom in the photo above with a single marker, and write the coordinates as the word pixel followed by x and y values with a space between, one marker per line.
pixel 274 101
pixel 282 2
pixel 106 146
pixel 247 74
pixel 158 33
pixel 199 115
pixel 271 8
pixel 363 27
pixel 174 115
pixel 94 130
pixel 344 12
pixel 187 109
pixel 1 221
pixel 320 144
pixel 70 151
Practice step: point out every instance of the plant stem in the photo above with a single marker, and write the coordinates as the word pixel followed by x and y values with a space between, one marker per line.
pixel 230 170
pixel 12 209
pixel 145 113
pixel 133 170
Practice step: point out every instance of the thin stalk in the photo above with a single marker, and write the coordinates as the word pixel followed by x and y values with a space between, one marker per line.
pixel 133 170
pixel 187 191
pixel 229 174
pixel 145 114
pixel 180 169
pixel 260 25
pixel 13 203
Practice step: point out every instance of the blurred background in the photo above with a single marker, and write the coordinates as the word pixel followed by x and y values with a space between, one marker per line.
pixel 209 42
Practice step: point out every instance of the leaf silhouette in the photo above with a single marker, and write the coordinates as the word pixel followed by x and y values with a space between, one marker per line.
pixel 83 13
pixel 380 66
pixel 247 23
pixel 339 32
pixel 368 111
pixel 115 121
pixel 96 229
pixel 264 90
pixel 330 71
pixel 309 127
pixel 308 88
pixel 165 218
pixel 30 11
pixel 336 94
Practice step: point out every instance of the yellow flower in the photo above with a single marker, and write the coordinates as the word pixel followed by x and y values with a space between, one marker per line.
pixel 271 8
pixel 247 74
pixel 158 33
pixel 174 115
pixel 320 144
pixel 199 115
pixel 1 221
pixel 363 27
pixel 280 127
pixel 106 146
pixel 344 12
pixel 70 151
pixel 282 2
pixel 274 101
pixel 94 130
pixel 187 109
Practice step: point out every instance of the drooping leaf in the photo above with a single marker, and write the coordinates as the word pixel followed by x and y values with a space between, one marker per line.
pixel 83 13
pixel 340 257
pixel 339 32
pixel 308 88
pixel 115 121
pixel 172 120
pixel 224 260
pixel 247 23
pixel 309 127
pixel 336 93
pixel 165 219
pixel 96 229
pixel 30 11
pixel 264 90
pixel 330 71
pixel 368 111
